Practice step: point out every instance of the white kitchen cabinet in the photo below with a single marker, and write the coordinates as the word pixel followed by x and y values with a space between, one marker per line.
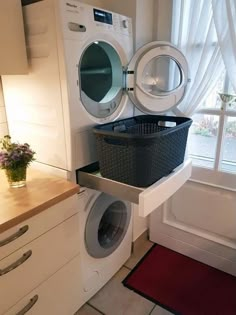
pixel 23 233
pixel 37 261
pixel 13 55
pixel 45 258
pixel 59 295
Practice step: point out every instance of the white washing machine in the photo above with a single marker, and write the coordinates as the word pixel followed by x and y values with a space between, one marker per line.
pixel 105 238
pixel 81 73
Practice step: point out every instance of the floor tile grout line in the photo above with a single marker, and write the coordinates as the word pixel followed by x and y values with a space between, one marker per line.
pixel 127 267
pixel 96 309
pixel 137 293
pixel 146 299
pixel 152 309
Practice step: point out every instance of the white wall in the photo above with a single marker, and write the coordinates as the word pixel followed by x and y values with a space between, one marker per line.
pixel 162 19
pixel 145 16
pixel 199 221
pixel 124 7
pixel 3 119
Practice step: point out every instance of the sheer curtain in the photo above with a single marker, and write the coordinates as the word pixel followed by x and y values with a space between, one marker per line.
pixel 193 32
pixel 224 13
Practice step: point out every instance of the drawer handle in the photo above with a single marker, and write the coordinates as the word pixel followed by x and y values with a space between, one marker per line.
pixel 29 305
pixel 14 236
pixel 17 263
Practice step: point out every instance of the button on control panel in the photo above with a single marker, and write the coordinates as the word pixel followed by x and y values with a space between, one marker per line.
pixel 75 27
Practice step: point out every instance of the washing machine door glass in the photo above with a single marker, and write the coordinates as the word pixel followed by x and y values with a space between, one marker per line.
pixel 101 79
pixel 157 77
pixel 106 225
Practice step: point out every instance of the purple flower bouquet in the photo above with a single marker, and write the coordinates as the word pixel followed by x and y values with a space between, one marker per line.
pixel 15 158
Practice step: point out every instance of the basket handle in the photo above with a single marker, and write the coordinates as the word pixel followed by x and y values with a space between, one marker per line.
pixel 115 141
pixel 166 123
pixel 119 128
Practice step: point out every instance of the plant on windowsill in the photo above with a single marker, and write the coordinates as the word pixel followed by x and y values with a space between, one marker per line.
pixel 14 159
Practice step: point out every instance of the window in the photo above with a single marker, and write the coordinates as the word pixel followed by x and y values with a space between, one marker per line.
pixel 212 137
pixel 210 99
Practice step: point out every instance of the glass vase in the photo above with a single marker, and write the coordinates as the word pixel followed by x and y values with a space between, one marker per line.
pixel 16 177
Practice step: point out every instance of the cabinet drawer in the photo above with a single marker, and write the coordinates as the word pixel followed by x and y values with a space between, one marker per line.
pixel 23 233
pixel 59 295
pixel 37 261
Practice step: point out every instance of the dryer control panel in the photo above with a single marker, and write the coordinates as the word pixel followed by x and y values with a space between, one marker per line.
pixel 81 20
pixel 102 16
pixel 109 20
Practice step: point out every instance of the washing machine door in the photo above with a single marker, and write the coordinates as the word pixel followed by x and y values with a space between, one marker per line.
pixel 101 80
pixel 106 225
pixel 157 77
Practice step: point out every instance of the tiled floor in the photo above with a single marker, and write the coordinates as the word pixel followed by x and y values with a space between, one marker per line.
pixel 115 299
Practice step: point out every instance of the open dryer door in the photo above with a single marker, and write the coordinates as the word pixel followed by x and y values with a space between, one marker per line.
pixel 157 77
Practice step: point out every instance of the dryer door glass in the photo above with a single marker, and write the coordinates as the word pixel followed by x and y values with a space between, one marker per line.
pixel 101 79
pixel 157 77
pixel 161 75
pixel 106 226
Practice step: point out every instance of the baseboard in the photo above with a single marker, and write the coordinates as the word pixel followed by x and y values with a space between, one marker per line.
pixel 196 253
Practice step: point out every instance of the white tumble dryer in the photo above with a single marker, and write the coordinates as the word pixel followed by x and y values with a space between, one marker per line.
pixel 82 72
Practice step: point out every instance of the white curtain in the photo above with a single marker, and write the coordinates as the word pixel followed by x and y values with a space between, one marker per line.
pixel 224 13
pixel 193 32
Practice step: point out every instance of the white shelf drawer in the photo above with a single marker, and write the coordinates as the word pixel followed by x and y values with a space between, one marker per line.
pixel 59 295
pixel 48 254
pixel 148 199
pixel 23 233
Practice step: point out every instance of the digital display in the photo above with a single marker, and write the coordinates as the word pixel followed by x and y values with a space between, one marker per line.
pixel 102 16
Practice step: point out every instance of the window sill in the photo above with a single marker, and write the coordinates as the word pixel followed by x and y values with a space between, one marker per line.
pixel 214 178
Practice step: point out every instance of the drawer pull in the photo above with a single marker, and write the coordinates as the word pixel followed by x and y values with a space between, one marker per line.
pixel 17 263
pixel 29 305
pixel 14 236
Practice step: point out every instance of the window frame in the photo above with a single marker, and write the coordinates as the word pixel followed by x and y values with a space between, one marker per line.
pixel 216 176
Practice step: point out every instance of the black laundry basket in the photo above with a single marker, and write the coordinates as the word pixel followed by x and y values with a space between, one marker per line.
pixel 140 150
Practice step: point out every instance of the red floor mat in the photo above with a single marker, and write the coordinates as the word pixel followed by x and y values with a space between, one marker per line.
pixel 183 285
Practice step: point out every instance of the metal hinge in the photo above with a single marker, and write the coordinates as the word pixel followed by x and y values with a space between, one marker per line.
pixel 128 80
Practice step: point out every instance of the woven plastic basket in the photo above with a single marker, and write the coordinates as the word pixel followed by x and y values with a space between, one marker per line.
pixel 140 150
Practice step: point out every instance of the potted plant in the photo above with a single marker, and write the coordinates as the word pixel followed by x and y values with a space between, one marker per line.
pixel 14 159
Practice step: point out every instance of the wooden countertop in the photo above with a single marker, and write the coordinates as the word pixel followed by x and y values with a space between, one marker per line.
pixel 41 192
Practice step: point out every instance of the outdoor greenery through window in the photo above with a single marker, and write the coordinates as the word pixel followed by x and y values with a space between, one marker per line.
pixel 212 137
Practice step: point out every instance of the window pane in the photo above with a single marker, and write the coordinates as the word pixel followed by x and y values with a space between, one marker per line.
pixel 202 139
pixel 213 100
pixel 229 149
pixel 232 104
pixel 230 97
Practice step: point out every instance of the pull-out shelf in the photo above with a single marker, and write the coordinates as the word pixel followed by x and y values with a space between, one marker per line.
pixel 148 198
